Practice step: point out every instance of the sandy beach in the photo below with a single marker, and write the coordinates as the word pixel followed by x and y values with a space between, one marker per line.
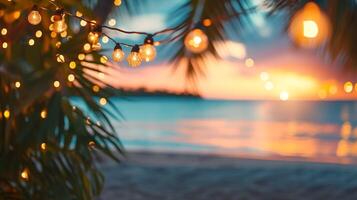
pixel 189 176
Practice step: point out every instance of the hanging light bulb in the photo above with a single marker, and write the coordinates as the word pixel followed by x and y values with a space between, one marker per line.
pixel 196 41
pixel 34 16
pixel 310 27
pixel 134 59
pixel 93 36
pixel 59 24
pixel 118 53
pixel 148 51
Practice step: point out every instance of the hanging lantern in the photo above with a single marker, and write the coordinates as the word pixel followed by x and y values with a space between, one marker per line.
pixel 148 51
pixel 309 27
pixel 59 24
pixel 118 53
pixel 34 16
pixel 196 41
pixel 134 59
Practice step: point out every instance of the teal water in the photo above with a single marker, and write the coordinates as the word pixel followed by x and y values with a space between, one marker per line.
pixel 318 131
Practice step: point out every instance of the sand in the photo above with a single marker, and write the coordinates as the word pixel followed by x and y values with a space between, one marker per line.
pixel 160 176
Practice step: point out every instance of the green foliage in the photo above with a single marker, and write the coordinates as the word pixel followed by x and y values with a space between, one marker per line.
pixel 55 143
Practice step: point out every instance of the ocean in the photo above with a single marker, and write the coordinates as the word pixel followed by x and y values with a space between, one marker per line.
pixel 318 131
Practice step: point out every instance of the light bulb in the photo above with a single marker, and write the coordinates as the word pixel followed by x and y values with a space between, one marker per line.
pixel 93 37
pixel 196 41
pixel 118 53
pixel 134 59
pixel 309 27
pixel 34 16
pixel 148 51
pixel 59 24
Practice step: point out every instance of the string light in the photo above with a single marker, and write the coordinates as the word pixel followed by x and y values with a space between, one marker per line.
pixel 148 51
pixel 17 84
pixel 348 87
pixel 25 174
pixel 72 65
pixel 105 39
pixel 91 144
pixel 4 45
pixel 81 56
pixel 31 42
pixel 134 59
pixel 56 84
pixel 118 53
pixel 34 16
pixel 43 114
pixel 71 77
pixel 3 31
pixel 38 34
pixel 60 58
pixel 87 47
pixel 93 36
pixel 103 60
pixel 196 41
pixel 103 101
pixel 59 24
pixel 112 22
pixel 7 113
pixel 117 2
pixel 95 88
pixel 43 146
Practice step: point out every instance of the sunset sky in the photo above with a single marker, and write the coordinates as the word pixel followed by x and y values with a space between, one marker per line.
pixel 278 71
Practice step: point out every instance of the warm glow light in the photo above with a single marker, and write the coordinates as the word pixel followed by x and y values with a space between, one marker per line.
pixel 60 25
pixel 60 58
pixel 83 23
pixel 284 96
pixel 118 54
pixel 196 41
pixel 17 84
pixel 25 174
pixel 102 101
pixel 56 84
pixel 148 52
pixel 95 88
pixel 86 47
pixel 64 34
pixel 71 77
pixel 4 45
pixel 81 56
pixel 117 2
pixel 207 22
pixel 43 146
pixel 249 62
pixel 91 144
pixel 134 59
pixel 103 59
pixel 112 22
pixel 3 31
pixel 310 28
pixel 38 34
pixel 43 114
pixel 72 65
pixel 93 37
pixel 348 87
pixel 6 114
pixel 34 17
pixel 105 39
pixel 31 42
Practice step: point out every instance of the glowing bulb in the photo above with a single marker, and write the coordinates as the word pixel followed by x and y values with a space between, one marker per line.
pixel 86 47
pixel 4 45
pixel 134 59
pixel 207 22
pixel 102 101
pixel 310 29
pixel 91 144
pixel 83 23
pixel 60 58
pixel 56 84
pixel 6 114
pixel 117 2
pixel 59 24
pixel 38 34
pixel 43 146
pixel 31 42
pixel 95 88
pixel 43 114
pixel 72 65
pixel 93 37
pixel 25 174
pixel 103 59
pixel 17 84
pixel 34 16
pixel 348 87
pixel 105 39
pixel 81 56
pixel 112 22
pixel 148 51
pixel 3 31
pixel 118 53
pixel 71 77
pixel 196 41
